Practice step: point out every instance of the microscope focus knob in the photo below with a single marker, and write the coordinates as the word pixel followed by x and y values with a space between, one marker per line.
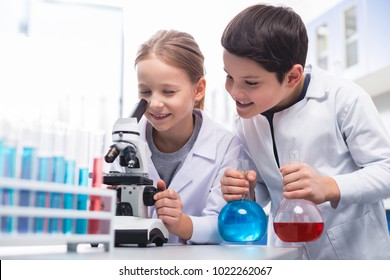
pixel 148 194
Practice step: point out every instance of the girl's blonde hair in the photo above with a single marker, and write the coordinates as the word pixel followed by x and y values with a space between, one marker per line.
pixel 178 49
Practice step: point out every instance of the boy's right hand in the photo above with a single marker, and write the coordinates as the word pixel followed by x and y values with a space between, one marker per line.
pixel 235 186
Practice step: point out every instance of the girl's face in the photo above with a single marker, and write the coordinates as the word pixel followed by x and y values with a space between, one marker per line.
pixel 170 93
pixel 254 89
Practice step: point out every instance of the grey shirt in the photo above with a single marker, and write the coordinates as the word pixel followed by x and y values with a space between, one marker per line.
pixel 167 164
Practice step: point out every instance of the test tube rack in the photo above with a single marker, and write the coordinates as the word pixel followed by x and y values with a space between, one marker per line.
pixel 104 217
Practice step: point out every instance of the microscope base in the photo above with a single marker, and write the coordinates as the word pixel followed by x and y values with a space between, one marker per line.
pixel 140 231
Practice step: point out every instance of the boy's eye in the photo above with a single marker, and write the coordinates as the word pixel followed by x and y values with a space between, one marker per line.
pixel 167 91
pixel 228 77
pixel 251 84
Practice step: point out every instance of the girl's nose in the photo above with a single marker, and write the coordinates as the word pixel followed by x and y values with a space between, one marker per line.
pixel 155 102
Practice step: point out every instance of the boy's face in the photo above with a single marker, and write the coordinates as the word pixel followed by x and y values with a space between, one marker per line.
pixel 254 89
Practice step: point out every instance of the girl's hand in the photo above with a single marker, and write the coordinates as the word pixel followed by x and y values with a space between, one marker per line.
pixel 169 207
pixel 234 185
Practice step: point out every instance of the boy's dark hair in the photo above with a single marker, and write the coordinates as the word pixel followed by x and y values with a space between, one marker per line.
pixel 274 37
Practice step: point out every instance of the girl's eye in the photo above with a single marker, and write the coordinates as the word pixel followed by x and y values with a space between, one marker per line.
pixel 251 84
pixel 144 92
pixel 169 91
pixel 228 77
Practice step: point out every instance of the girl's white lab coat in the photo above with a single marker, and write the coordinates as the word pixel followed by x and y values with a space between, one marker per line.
pixel 198 180
pixel 338 132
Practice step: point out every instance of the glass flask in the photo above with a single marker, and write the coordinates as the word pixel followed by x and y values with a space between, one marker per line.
pixel 242 220
pixel 298 220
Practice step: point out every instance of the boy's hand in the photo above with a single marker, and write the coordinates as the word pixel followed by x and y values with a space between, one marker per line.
pixel 302 181
pixel 234 185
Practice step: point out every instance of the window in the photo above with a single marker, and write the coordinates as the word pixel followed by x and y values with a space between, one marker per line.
pixel 351 37
pixel 322 46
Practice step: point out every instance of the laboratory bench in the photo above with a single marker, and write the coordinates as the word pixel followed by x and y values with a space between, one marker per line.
pixel 165 252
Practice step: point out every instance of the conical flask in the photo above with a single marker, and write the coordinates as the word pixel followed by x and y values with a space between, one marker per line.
pixel 298 220
pixel 242 220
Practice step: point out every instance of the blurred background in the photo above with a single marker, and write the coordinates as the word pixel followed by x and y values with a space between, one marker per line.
pixel 72 60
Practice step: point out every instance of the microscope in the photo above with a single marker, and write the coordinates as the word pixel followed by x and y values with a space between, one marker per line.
pixel 132 222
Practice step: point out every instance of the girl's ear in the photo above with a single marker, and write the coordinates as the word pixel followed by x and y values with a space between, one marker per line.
pixel 294 75
pixel 200 89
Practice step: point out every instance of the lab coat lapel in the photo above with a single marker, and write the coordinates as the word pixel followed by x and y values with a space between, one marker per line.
pixel 185 174
pixel 205 147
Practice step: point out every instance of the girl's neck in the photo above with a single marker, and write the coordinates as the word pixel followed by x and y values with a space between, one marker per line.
pixel 175 138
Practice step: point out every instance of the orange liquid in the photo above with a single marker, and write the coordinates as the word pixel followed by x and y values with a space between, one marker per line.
pixel 298 232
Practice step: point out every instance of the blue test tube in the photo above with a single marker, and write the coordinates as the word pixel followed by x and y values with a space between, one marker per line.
pixel 2 147
pixel 28 145
pixel 58 174
pixel 70 168
pixel 9 171
pixel 83 177
pixel 44 173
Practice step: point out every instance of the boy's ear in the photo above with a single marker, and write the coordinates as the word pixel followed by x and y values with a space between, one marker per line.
pixel 200 89
pixel 294 75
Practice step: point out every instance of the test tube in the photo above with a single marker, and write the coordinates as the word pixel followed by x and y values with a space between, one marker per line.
pixel 44 155
pixel 28 143
pixel 9 171
pixel 83 177
pixel 70 167
pixel 58 173
pixel 97 179
pixel 2 148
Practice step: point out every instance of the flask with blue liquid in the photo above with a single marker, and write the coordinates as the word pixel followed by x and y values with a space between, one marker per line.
pixel 242 220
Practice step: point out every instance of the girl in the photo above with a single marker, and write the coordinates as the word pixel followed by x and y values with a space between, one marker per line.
pixel 189 150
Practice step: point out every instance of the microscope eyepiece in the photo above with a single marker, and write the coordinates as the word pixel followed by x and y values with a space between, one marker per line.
pixel 139 109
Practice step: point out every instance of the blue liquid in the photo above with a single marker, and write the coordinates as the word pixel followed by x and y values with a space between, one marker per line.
pixel 68 198
pixel 8 196
pixel 2 147
pixel 44 168
pixel 28 155
pixel 82 224
pixel 55 198
pixel 242 221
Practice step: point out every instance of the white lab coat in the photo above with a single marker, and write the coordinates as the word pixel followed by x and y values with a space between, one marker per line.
pixel 198 180
pixel 338 132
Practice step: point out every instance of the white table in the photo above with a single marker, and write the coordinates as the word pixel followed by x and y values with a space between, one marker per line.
pixel 166 252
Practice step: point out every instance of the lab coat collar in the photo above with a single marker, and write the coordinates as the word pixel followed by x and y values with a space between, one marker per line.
pixel 206 135
pixel 318 86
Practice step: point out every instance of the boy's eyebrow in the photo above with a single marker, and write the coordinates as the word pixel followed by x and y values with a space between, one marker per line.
pixel 245 77
pixel 250 77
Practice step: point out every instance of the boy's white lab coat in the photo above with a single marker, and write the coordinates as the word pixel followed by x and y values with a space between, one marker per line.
pixel 338 132
pixel 198 180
